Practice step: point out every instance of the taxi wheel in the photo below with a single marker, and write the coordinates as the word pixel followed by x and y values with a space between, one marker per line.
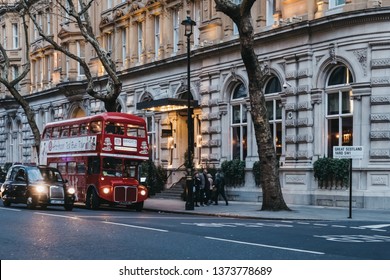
pixel 31 204
pixel 6 203
pixel 68 207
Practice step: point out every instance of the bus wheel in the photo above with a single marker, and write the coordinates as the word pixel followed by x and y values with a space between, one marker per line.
pixel 92 200
pixel 139 206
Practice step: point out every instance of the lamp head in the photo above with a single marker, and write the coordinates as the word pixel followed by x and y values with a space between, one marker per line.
pixel 188 25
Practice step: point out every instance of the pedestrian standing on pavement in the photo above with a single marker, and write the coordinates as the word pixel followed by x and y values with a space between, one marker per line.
pixel 207 188
pixel 201 188
pixel 219 183
pixel 197 183
pixel 211 184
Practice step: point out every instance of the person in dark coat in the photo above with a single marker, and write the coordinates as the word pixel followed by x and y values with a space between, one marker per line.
pixel 197 183
pixel 219 183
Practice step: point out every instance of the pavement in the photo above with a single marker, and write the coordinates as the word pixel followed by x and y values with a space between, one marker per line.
pixel 252 210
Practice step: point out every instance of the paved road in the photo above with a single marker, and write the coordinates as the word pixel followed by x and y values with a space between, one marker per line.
pixel 119 234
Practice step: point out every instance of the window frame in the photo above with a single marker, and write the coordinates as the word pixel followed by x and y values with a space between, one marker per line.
pixel 239 128
pixel 338 116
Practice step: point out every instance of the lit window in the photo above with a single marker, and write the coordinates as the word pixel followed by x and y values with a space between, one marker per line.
pixel 274 111
pixel 339 109
pixel 239 130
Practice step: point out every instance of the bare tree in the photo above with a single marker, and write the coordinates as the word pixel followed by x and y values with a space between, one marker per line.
pixel 12 83
pixel 269 164
pixel 80 15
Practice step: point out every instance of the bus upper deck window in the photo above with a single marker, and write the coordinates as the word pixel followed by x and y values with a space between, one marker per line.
pixel 56 132
pixel 132 131
pixel 114 128
pixel 47 133
pixel 65 131
pixel 96 127
pixel 74 131
pixel 141 132
pixel 83 129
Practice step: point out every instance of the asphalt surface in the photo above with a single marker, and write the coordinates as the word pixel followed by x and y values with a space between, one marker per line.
pixel 253 210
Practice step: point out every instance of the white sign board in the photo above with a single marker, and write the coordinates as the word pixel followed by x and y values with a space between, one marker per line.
pixel 354 152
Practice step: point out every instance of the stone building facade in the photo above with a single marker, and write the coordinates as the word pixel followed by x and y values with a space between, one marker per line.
pixel 328 65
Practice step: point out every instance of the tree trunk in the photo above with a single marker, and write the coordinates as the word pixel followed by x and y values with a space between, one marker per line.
pixel 269 165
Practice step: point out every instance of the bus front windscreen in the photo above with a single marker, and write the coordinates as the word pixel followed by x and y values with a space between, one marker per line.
pixel 117 167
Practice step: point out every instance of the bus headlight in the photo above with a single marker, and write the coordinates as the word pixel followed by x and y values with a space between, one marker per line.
pixel 143 192
pixel 106 190
pixel 71 191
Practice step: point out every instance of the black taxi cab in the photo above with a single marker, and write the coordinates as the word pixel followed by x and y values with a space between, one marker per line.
pixel 36 186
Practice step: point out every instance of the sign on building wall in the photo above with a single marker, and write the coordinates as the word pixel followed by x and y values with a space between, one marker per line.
pixel 352 152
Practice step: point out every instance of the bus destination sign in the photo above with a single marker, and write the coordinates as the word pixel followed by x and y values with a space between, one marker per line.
pixel 352 152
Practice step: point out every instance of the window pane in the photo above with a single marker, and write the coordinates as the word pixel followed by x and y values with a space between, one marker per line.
pixel 347 131
pixel 346 103
pixel 244 142
pixel 333 104
pixel 244 114
pixel 236 143
pixel 278 139
pixel 333 135
pixel 71 167
pixel 83 129
pixel 270 109
pixel 236 114
pixel 96 127
pixel 273 86
pixel 56 132
pixel 65 131
pixel 239 92
pixel 278 110
pixel 47 133
pixel 74 130
pixel 340 76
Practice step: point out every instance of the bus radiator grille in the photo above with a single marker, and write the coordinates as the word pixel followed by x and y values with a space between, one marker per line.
pixel 56 192
pixel 125 194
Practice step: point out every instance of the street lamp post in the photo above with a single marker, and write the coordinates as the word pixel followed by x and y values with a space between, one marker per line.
pixel 188 25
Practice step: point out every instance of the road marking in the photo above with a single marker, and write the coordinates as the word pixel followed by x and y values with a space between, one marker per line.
pixel 234 225
pixel 10 209
pixel 134 226
pixel 264 245
pixel 355 238
pixel 376 226
pixel 56 215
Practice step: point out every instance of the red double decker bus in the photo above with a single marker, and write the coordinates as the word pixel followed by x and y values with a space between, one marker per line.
pixel 100 157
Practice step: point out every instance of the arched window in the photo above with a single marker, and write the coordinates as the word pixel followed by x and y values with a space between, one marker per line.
pixel 339 107
pixel 239 131
pixel 274 111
